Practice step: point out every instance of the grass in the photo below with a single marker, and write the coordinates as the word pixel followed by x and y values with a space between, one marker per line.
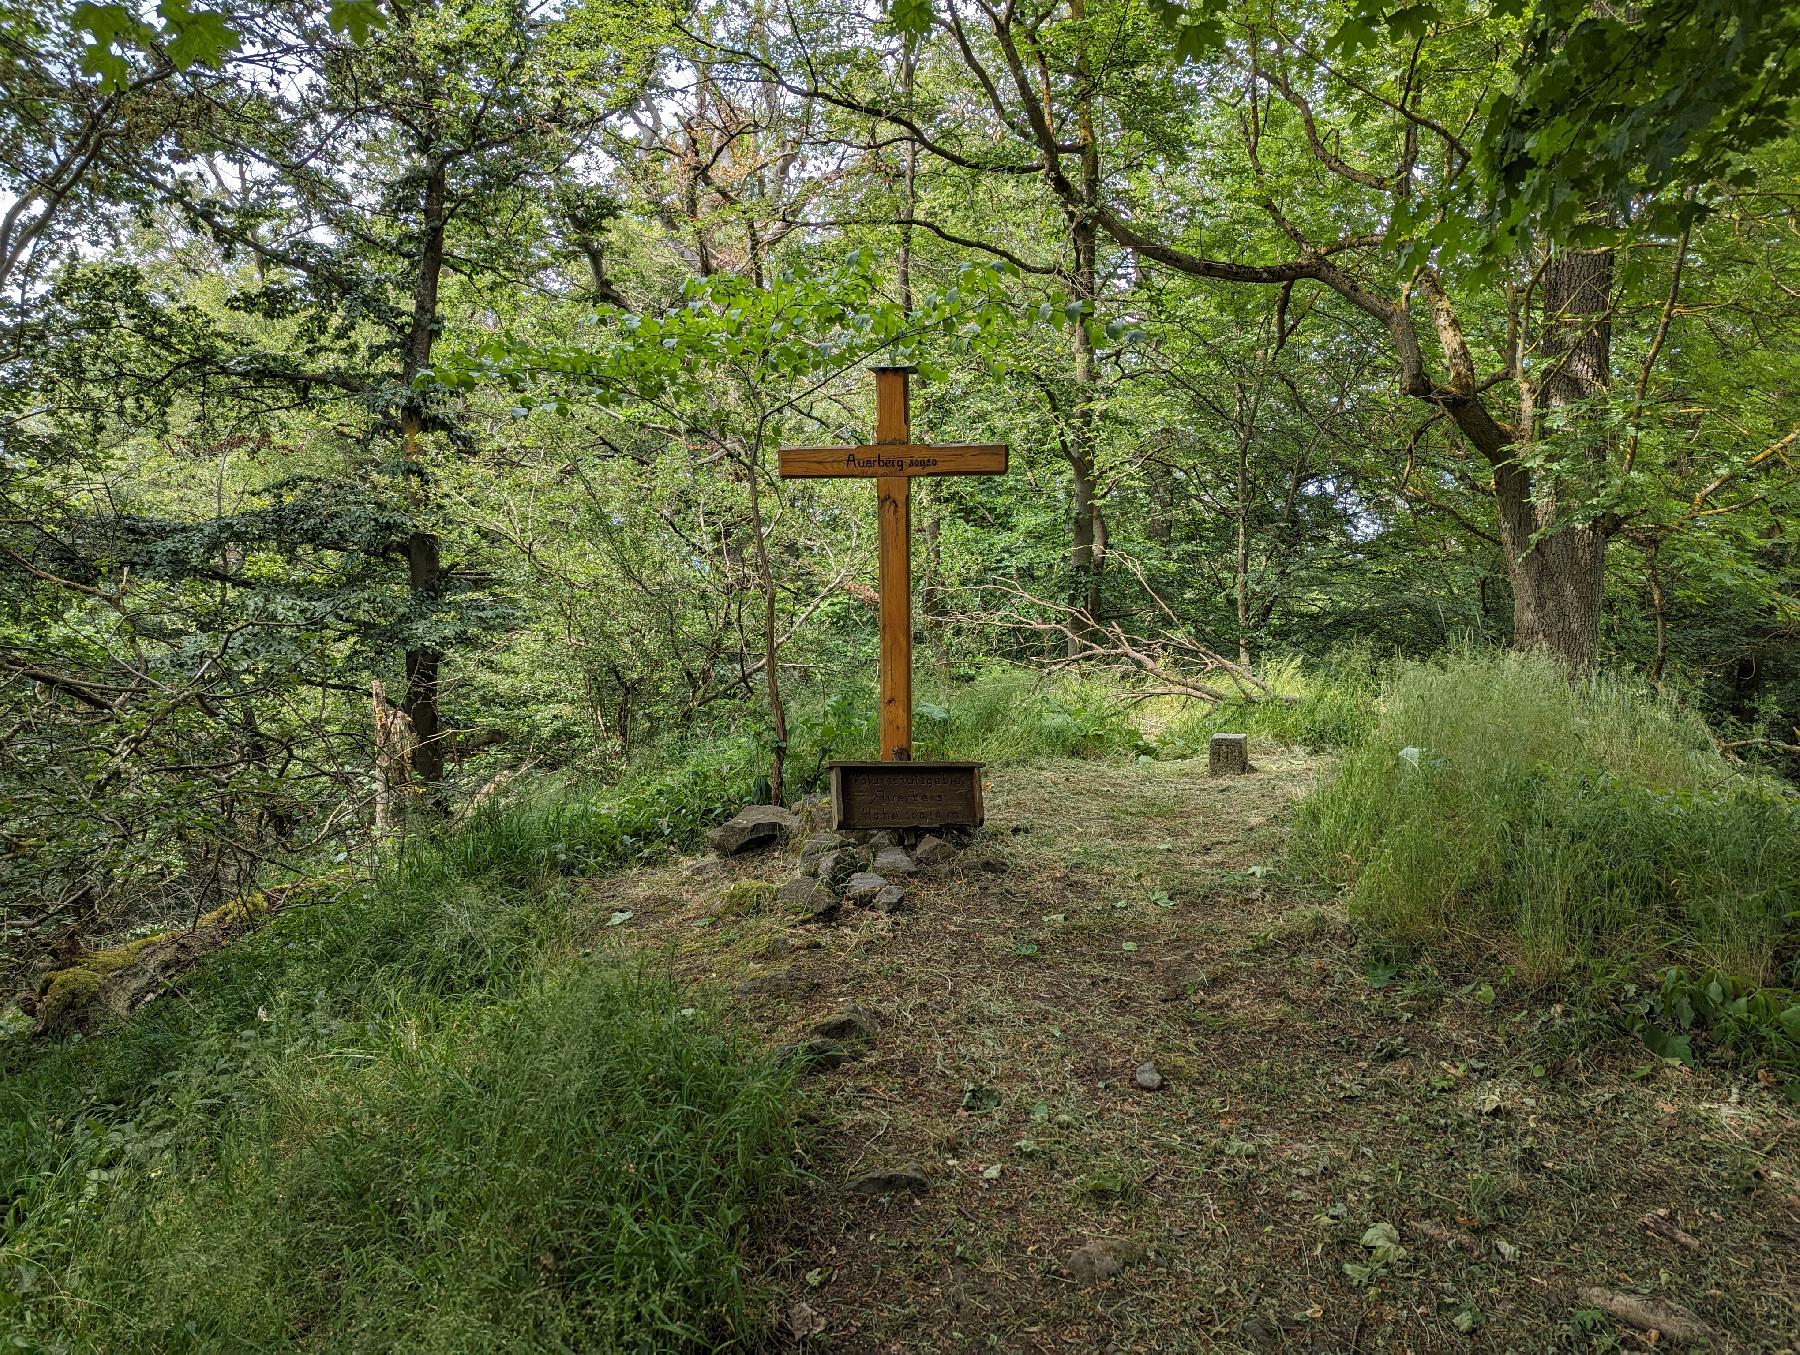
pixel 1324 705
pixel 410 1115
pixel 1515 1146
pixel 1589 823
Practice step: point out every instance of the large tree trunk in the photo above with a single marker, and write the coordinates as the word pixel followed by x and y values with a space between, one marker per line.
pixel 424 569
pixel 1558 580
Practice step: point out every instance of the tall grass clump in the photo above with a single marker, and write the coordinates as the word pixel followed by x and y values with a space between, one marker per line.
pixel 376 1122
pixel 1014 715
pixel 1587 821
pixel 1004 714
pixel 569 1168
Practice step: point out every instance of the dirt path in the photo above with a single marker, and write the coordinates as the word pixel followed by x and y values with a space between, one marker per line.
pixel 1337 1160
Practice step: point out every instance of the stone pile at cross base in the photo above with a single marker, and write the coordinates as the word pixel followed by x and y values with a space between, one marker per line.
pixel 860 867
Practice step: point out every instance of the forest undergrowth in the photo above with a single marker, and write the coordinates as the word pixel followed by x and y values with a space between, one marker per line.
pixel 420 1107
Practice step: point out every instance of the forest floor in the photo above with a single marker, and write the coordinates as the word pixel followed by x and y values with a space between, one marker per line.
pixel 1342 1156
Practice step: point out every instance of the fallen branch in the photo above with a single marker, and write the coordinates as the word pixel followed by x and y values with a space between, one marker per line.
pixel 1180 664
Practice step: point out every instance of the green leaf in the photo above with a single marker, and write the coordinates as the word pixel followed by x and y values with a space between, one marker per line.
pixel 912 17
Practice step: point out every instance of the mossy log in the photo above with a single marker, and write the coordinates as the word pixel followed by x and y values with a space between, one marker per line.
pixel 118 979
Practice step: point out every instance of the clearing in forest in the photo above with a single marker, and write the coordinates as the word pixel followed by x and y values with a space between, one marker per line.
pixel 1339 1157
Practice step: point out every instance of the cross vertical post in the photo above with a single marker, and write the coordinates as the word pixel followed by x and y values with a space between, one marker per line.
pixel 898 792
pixel 893 427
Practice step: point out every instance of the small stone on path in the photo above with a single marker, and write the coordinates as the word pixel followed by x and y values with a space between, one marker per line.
pixel 890 900
pixel 779 981
pixel 933 851
pixel 818 845
pixel 902 1180
pixel 1148 1077
pixel 863 886
pixel 1102 1259
pixel 895 861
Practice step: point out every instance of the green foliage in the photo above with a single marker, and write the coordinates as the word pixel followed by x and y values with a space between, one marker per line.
pixel 1322 705
pixel 1759 1023
pixel 1612 106
pixel 1010 715
pixel 1590 821
pixel 185 35
pixel 447 1125
pixel 568 1166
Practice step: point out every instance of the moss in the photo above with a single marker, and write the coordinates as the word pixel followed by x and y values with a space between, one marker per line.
pixel 746 896
pixel 65 993
pixel 244 908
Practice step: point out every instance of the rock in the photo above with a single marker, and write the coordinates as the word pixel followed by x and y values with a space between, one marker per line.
pixel 835 866
pixel 1260 1332
pixel 803 1322
pixel 704 866
pixel 814 811
pixel 806 897
pixel 894 861
pixel 1228 755
pixel 853 1023
pixel 1148 1077
pixel 1256 1330
pixel 881 839
pixel 907 1180
pixel 818 845
pixel 778 948
pixel 933 851
pixel 889 900
pixel 752 826
pixel 1102 1259
pixel 863 887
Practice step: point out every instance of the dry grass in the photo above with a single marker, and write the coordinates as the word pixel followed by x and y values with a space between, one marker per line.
pixel 1113 914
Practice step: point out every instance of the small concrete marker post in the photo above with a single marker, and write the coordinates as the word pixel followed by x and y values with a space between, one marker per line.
pixel 1228 755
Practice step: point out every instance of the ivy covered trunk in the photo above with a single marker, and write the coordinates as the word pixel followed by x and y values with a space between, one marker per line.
pixel 1555 553
pixel 424 569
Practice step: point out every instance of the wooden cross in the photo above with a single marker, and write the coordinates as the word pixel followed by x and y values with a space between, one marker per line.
pixel 892 462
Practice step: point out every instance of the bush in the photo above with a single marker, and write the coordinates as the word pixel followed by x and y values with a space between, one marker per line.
pixel 1584 820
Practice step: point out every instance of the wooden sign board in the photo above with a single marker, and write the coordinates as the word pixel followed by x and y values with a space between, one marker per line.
pixel 906 795
pixel 950 458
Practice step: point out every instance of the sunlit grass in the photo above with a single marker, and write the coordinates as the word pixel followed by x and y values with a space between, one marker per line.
pixel 1590 820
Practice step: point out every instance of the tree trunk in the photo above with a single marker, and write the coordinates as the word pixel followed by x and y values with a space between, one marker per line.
pixel 1087 554
pixel 424 569
pixel 766 583
pixel 1558 580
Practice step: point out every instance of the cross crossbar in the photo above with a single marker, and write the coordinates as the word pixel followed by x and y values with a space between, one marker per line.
pixel 892 461
pixel 949 458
